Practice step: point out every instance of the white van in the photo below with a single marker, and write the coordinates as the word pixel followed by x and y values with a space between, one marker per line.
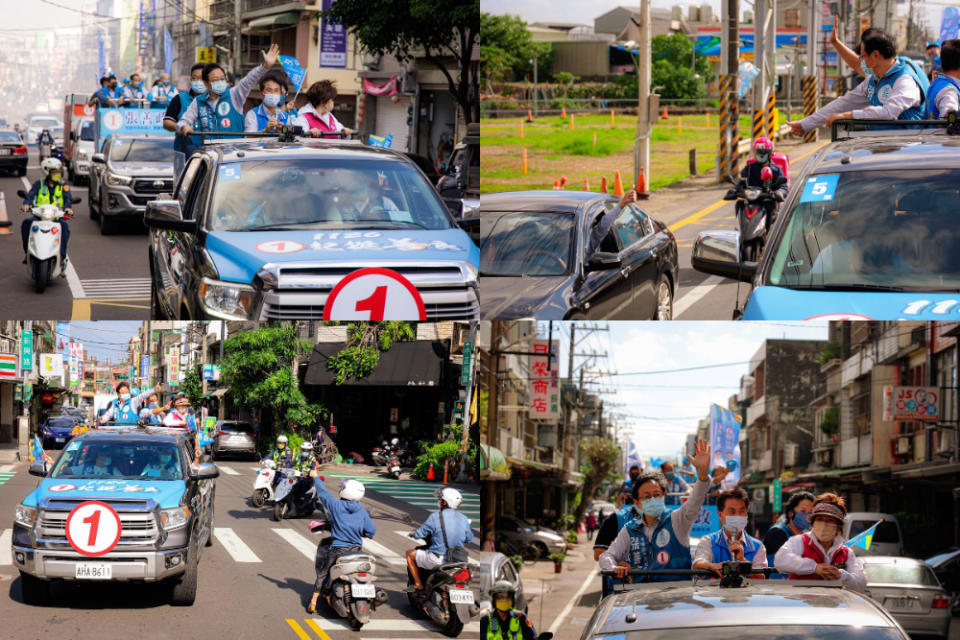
pixel 887 539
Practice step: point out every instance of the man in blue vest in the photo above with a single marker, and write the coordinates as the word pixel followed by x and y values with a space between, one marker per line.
pixel 126 408
pixel 134 93
pixel 894 89
pixel 161 95
pixel 269 116
pixel 219 110
pixel 110 95
pixel 626 489
pixel 934 55
pixel 676 486
pixel 944 94
pixel 51 189
pixel 659 539
pixel 175 110
pixel 732 541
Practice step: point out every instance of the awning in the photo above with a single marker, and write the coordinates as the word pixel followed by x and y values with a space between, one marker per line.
pixel 277 19
pixel 833 473
pixel 406 364
pixel 493 464
pixel 216 393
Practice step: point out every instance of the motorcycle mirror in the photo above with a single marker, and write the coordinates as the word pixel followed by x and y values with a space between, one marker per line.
pixel 21 193
pixel 77 200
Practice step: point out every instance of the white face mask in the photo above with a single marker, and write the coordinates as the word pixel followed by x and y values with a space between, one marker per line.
pixel 824 530
pixel 735 524
pixel 124 396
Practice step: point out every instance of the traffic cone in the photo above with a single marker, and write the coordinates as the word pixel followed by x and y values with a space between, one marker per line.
pixel 641 187
pixel 523 159
pixel 571 121
pixel 556 185
pixel 4 221
pixel 586 185
pixel 446 477
pixel 708 119
pixel 617 185
pixel 563 182
pixel 603 184
pixel 665 116
pixel 613 119
pixel 430 474
pixel 563 112
pixel 529 115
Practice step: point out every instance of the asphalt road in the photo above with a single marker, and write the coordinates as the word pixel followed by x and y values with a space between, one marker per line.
pixel 254 582
pixel 108 277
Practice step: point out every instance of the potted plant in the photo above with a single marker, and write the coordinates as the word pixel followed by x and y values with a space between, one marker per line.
pixel 557 561
pixel 571 539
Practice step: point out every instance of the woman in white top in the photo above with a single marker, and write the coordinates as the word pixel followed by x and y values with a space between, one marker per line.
pixel 317 116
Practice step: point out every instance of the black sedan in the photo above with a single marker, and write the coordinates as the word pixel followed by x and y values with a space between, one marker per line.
pixel 13 153
pixel 557 255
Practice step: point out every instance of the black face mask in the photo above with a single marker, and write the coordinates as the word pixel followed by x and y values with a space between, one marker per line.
pixel 634 476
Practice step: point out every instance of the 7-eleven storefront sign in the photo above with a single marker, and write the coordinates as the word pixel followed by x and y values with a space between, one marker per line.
pixel 8 366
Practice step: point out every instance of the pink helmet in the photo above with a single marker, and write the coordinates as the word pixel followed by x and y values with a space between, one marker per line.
pixel 762 148
pixel 766 174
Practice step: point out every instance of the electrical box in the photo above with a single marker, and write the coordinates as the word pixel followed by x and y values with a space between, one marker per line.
pixel 653 104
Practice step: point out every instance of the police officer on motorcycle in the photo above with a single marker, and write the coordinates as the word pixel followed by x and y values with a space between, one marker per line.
pixel 504 622
pixel 281 455
pixel 51 189
pixel 305 463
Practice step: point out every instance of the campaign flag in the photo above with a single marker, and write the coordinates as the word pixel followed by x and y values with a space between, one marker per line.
pixel 295 72
pixel 167 51
pixel 725 441
pixel 36 449
pixel 863 539
pixel 950 24
pixel 656 462
pixel 102 66
pixel 378 141
pixel 633 455
pixel 747 73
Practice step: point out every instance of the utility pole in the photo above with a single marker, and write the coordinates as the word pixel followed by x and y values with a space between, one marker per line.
pixel 729 81
pixel 535 90
pixel 811 81
pixel 468 398
pixel 765 57
pixel 237 69
pixel 489 494
pixel 641 142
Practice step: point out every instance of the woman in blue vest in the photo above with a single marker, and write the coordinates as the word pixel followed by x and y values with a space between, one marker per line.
pixel 894 89
pixel 796 515
pixel 659 539
pixel 269 116
pixel 175 110
pixel 944 94
pixel 732 542
pixel 220 110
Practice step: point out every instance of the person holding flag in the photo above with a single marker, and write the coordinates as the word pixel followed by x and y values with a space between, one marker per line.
pixel 180 417
pixel 37 452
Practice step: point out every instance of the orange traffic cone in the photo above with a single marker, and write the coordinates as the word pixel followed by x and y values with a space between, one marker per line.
pixel 556 185
pixel 4 220
pixel 572 115
pixel 708 119
pixel 521 128
pixel 641 181
pixel 446 466
pixel 563 182
pixel 563 112
pixel 523 161
pixel 586 185
pixel 529 115
pixel 617 185
pixel 603 184
pixel 665 116
pixel 430 474
pixel 613 119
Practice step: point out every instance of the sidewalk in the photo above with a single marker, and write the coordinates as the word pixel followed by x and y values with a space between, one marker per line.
pixel 548 593
pixel 8 452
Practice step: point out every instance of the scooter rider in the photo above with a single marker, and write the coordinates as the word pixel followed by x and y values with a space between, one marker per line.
pixel 305 463
pixel 51 189
pixel 349 524
pixel 751 175
pixel 457 534
pixel 281 455
pixel 504 622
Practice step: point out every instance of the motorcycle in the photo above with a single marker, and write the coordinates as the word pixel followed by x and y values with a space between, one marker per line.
pixel 43 243
pixel 353 593
pixel 446 597
pixel 753 206
pixel 394 467
pixel 263 483
pixel 378 456
pixel 286 505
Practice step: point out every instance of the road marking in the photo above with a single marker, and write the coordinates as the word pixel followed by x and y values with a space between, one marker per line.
pixel 236 547
pixel 316 628
pixel 555 627
pixel 404 535
pixel 297 629
pixel 227 470
pixel 5 476
pixel 116 288
pixel 6 554
pixel 694 296
pixel 696 216
pixel 388 555
pixel 7 468
pixel 299 543
pixel 397 624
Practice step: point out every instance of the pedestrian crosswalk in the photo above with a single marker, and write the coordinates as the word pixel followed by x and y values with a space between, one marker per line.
pixel 421 494
pixel 116 288
pixel 6 539
pixel 6 472
pixel 325 629
pixel 241 552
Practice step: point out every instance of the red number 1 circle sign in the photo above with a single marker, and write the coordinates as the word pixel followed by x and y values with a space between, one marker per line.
pixel 374 294
pixel 93 528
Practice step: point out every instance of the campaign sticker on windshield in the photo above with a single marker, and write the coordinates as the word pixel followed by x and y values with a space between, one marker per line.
pixel 820 188
pixel 73 446
pixel 230 172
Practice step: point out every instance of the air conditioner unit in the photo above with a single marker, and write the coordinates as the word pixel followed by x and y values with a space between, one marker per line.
pixel 790 452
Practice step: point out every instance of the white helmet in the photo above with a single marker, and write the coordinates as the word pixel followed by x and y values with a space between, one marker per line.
pixel 306 446
pixel 51 164
pixel 451 496
pixel 352 490
pixel 282 439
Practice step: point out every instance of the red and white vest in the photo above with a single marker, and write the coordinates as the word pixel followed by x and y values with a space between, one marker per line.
pixel 316 122
pixel 812 551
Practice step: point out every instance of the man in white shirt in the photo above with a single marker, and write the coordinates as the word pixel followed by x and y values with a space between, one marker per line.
pixel 732 541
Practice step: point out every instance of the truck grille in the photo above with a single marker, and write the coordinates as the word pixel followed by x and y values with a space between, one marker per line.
pixel 138 524
pixel 146 186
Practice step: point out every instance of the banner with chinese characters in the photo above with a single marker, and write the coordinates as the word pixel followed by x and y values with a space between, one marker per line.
pixel 911 403
pixel 725 441
pixel 545 380
pixel 173 365
pixel 76 355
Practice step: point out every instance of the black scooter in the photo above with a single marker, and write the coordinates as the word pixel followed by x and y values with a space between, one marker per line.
pixel 446 597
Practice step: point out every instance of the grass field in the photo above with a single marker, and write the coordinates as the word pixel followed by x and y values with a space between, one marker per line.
pixel 553 150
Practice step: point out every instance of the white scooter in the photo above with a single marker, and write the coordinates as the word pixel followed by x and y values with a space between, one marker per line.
pixel 43 243
pixel 263 483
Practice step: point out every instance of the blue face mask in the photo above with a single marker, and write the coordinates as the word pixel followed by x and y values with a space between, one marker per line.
pixel 198 86
pixel 863 67
pixel 271 99
pixel 801 521
pixel 219 87
pixel 653 507
pixel 670 476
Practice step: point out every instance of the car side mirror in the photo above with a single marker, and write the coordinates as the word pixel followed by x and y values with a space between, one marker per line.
pixel 603 260
pixel 167 214
pixel 204 471
pixel 99 158
pixel 38 468
pixel 718 253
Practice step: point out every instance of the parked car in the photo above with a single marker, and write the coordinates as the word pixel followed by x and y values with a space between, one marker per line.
pixel 460 185
pixel 547 541
pixel 489 567
pixel 946 565
pixel 234 437
pixel 887 539
pixel 13 152
pixel 911 592
pixel 602 509
pixel 540 257
pixel 57 431
pixel 764 609
pixel 83 140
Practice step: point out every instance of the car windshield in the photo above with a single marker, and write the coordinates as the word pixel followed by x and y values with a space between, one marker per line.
pixel 235 427
pixel 886 531
pixel 873 230
pixel 141 150
pixel 44 123
pixel 61 422
pixel 767 632
pixel 87 131
pixel 526 244
pixel 324 194
pixel 119 461
pixel 9 136
pixel 890 573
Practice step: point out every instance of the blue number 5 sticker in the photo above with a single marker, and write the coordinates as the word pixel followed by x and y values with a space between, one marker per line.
pixel 819 188
pixel 230 172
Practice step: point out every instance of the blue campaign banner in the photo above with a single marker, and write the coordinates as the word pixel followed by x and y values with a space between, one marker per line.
pixel 114 122
pixel 145 366
pixel 707 522
pixel 379 141
pixel 725 440
pixel 633 455
pixel 950 24
pixel 295 72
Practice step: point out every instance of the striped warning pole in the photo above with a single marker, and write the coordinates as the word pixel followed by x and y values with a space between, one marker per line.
pixel 724 143
pixel 759 124
pixel 809 85
pixel 734 127
pixel 772 114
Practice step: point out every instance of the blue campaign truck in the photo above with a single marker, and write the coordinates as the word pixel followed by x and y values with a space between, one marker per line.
pixel 124 504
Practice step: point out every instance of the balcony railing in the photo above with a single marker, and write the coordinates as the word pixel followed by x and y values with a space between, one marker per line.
pixel 222 10
pixel 253 5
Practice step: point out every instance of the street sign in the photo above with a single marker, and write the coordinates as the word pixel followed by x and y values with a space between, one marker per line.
pixel 26 350
pixel 777 493
pixel 458 409
pixel 911 403
pixel 465 369
pixel 206 55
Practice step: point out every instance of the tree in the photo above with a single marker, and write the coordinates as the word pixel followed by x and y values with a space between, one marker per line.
pixel 599 457
pixel 257 367
pixel 671 73
pixel 506 48
pixel 192 385
pixel 365 342
pixel 438 28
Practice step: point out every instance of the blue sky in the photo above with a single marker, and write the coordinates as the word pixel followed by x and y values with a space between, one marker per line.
pixel 103 339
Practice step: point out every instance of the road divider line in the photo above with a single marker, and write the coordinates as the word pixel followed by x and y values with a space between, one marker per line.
pixel 388 555
pixel 81 309
pixel 404 535
pixel 297 629
pixel 6 554
pixel 299 543
pixel 555 627
pixel 227 470
pixel 236 547
pixel 696 216
pixel 382 624
pixel 693 296
pixel 316 629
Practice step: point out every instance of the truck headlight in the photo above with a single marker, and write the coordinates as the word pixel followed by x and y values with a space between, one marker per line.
pixel 25 515
pixel 174 518
pixel 472 272
pixel 228 300
pixel 118 180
